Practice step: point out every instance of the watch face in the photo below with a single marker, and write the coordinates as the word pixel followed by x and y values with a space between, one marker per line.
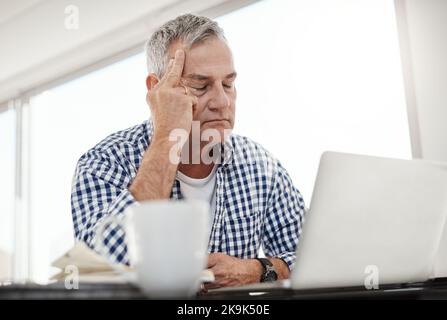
pixel 270 275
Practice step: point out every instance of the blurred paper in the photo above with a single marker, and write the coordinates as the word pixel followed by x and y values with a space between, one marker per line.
pixel 91 266
pixel 94 268
pixel 84 258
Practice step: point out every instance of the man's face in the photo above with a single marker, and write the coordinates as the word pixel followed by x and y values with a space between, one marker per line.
pixel 209 74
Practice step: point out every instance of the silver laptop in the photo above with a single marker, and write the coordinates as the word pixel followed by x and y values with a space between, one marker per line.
pixel 375 219
pixel 371 218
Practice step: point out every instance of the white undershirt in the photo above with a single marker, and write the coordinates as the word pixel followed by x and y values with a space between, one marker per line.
pixel 200 189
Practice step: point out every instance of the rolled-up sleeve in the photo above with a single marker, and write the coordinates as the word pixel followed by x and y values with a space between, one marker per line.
pixel 284 219
pixel 99 190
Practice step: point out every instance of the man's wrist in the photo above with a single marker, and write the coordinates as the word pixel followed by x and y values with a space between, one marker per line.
pixel 157 170
pixel 257 269
pixel 160 139
pixel 170 149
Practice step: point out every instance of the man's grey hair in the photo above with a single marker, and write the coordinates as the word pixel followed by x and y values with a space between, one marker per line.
pixel 188 28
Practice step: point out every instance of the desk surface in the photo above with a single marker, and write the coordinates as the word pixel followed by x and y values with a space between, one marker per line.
pixel 433 289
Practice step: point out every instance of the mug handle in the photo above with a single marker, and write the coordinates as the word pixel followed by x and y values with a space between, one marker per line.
pixel 99 240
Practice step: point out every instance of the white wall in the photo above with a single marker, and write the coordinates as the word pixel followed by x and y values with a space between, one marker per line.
pixel 422 26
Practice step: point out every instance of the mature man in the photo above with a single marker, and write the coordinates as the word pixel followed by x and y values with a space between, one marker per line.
pixel 191 84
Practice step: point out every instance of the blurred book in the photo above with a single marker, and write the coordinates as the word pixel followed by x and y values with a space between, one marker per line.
pixel 94 268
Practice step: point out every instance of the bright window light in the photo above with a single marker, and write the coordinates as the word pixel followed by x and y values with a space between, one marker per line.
pixel 65 122
pixel 7 173
pixel 316 75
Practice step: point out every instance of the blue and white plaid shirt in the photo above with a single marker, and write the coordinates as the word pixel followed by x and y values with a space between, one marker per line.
pixel 256 201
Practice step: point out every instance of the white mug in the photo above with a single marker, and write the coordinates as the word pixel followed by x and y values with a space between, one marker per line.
pixel 167 245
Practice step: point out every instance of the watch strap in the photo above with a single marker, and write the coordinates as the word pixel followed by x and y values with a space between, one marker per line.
pixel 265 262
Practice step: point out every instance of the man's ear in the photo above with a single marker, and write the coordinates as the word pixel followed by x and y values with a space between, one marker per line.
pixel 151 81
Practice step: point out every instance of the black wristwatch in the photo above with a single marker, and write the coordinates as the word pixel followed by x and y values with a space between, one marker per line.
pixel 269 273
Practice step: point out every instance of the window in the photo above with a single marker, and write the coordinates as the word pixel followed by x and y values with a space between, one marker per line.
pixel 316 75
pixel 64 123
pixel 7 173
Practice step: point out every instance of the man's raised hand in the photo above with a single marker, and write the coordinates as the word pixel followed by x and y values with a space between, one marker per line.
pixel 171 106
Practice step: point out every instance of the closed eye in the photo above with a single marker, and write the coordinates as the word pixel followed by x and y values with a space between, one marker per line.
pixel 200 88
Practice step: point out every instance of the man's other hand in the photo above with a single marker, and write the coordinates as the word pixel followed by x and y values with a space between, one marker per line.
pixel 230 271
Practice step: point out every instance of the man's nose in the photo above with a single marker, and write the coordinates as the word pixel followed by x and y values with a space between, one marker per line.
pixel 220 98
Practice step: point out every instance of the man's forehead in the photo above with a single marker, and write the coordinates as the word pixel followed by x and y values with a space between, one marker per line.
pixel 209 59
pixel 219 47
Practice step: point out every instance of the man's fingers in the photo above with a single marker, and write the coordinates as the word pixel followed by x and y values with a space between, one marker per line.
pixel 212 285
pixel 195 101
pixel 174 75
pixel 219 274
pixel 167 71
pixel 212 260
pixel 209 286
pixel 169 67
